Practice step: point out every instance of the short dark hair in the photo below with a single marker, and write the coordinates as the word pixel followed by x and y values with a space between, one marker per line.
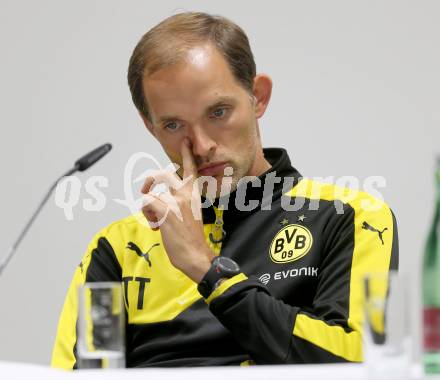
pixel 167 43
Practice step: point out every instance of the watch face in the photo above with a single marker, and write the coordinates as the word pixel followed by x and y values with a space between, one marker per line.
pixel 227 265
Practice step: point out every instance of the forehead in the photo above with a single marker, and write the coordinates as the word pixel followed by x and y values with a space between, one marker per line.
pixel 198 80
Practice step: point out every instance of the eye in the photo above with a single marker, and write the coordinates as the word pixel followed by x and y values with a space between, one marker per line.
pixel 219 112
pixel 172 126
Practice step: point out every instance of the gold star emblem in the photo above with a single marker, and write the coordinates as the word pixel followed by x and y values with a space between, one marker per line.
pixel 284 222
pixel 301 218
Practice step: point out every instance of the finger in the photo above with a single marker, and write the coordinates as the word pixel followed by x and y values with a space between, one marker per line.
pixel 189 165
pixel 152 221
pixel 151 218
pixel 154 210
pixel 158 177
pixel 170 201
pixel 147 185
pixel 159 206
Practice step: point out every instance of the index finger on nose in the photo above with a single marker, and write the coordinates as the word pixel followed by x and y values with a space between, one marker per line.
pixel 188 162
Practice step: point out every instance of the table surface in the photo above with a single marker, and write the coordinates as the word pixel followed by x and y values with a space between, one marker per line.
pixel 13 370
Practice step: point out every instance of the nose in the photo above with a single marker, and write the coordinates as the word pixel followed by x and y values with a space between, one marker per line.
pixel 203 145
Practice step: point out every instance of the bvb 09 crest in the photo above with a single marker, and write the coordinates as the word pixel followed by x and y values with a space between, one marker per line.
pixel 290 243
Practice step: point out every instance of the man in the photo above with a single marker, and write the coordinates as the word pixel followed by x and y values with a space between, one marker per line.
pixel 271 271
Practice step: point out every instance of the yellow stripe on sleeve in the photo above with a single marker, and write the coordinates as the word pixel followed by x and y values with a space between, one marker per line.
pixel 62 354
pixel 225 285
pixel 369 255
pixel 332 338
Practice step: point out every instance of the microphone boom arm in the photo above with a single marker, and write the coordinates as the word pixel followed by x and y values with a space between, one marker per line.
pixel 82 164
pixel 28 225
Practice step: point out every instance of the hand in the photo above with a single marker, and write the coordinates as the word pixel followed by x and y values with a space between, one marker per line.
pixel 179 213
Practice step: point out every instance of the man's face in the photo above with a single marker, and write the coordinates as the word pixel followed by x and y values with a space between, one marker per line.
pixel 200 99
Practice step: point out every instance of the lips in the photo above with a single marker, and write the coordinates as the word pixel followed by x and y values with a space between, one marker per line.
pixel 212 169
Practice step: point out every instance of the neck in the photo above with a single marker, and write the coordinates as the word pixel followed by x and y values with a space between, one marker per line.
pixel 260 165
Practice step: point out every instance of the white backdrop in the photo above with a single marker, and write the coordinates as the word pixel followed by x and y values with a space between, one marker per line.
pixel 356 92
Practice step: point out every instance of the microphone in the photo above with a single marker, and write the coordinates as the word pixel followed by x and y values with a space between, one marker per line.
pixel 80 165
pixel 90 158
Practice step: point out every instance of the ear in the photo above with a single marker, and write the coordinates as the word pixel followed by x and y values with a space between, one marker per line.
pixel 262 91
pixel 147 123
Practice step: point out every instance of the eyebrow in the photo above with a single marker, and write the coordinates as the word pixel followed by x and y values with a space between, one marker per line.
pixel 222 100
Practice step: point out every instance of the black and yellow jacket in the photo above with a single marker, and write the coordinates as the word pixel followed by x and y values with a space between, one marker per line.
pixel 302 252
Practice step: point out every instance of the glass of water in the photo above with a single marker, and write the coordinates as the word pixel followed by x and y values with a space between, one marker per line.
pixel 387 338
pixel 101 326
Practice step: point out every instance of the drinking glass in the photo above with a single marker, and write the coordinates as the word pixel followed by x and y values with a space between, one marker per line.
pixel 101 326
pixel 387 338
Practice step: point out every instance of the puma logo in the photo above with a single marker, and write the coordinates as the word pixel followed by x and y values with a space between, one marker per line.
pixel 133 247
pixel 366 226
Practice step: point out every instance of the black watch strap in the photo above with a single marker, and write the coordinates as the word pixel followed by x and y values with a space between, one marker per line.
pixel 221 267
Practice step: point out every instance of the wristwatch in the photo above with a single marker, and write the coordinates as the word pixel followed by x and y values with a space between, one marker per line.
pixel 221 268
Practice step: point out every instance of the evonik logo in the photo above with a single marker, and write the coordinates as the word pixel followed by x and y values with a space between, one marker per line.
pixel 289 273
